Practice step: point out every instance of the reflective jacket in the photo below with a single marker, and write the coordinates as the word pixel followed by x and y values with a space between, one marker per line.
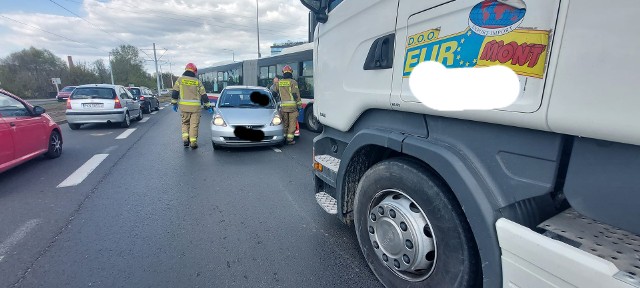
pixel 191 94
pixel 289 95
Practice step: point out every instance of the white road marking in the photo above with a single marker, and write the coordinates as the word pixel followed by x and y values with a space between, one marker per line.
pixel 276 149
pixel 79 175
pixel 154 112
pixel 17 236
pixel 167 105
pixel 161 108
pixel 126 134
pixel 144 120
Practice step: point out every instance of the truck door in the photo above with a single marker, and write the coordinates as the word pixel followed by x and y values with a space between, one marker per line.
pixel 346 46
pixel 476 33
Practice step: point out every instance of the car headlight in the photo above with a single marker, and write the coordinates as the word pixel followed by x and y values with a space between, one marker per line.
pixel 218 121
pixel 276 120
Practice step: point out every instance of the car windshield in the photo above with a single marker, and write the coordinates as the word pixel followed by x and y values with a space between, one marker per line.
pixel 134 91
pixel 241 98
pixel 67 89
pixel 93 93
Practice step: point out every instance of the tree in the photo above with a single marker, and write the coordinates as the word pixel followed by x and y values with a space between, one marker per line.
pixel 81 74
pixel 128 67
pixel 103 74
pixel 28 72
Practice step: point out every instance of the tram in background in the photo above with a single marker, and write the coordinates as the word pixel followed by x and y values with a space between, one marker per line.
pixel 260 72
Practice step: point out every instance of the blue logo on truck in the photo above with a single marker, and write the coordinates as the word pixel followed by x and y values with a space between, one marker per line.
pixel 494 17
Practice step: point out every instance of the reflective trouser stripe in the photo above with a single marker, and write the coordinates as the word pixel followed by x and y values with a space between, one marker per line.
pixel 193 139
pixel 190 102
pixel 185 136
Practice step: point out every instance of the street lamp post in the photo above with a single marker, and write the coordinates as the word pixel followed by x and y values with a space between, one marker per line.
pixel 233 55
pixel 111 68
pixel 258 29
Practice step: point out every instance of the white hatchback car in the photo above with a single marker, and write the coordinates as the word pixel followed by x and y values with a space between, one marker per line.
pixel 102 103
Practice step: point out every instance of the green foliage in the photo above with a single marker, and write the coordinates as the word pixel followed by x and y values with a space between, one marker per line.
pixel 28 73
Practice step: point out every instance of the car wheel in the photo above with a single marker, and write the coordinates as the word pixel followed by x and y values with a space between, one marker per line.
pixel 411 229
pixel 140 116
pixel 74 126
pixel 215 147
pixel 127 121
pixel 55 145
pixel 311 121
pixel 148 108
pixel 158 106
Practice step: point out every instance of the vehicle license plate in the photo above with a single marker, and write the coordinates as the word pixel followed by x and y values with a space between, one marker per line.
pixel 92 105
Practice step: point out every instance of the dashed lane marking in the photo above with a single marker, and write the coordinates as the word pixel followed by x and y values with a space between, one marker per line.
pixel 83 172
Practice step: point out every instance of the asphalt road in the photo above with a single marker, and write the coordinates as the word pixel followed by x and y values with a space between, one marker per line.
pixel 154 214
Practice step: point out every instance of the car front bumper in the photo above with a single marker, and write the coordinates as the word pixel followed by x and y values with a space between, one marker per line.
pixel 225 136
pixel 85 117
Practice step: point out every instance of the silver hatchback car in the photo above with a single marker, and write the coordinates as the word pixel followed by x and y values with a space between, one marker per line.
pixel 246 116
pixel 102 103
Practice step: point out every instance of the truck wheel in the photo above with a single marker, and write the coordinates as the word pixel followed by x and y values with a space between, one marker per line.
pixel 412 231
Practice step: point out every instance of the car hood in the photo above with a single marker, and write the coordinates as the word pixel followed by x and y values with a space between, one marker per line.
pixel 247 116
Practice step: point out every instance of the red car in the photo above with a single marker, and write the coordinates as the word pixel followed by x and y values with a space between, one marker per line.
pixel 65 93
pixel 26 132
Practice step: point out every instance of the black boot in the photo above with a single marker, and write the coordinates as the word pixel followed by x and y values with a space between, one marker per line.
pixel 185 143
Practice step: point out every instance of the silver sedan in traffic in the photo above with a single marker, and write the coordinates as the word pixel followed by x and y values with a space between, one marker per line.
pixel 246 116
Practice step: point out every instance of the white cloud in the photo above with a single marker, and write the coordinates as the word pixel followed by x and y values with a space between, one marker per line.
pixel 191 30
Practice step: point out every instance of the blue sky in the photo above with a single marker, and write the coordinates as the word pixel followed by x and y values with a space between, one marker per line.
pixel 43 6
pixel 199 31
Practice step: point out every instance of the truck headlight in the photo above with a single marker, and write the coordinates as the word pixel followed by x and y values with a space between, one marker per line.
pixel 276 120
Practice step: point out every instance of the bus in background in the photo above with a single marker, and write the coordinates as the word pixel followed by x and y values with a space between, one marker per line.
pixel 261 72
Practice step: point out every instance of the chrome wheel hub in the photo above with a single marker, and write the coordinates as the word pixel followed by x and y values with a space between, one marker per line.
pixel 401 235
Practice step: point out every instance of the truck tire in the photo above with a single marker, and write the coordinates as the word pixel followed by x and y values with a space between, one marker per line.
pixel 412 231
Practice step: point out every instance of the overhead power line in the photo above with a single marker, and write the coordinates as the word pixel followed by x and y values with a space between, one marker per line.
pixel 163 14
pixel 286 24
pixel 94 25
pixel 63 37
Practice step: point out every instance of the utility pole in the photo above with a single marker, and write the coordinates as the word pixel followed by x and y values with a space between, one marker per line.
pixel 258 29
pixel 155 59
pixel 111 68
pixel 171 73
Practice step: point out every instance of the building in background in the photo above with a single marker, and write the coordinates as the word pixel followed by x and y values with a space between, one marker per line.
pixel 276 48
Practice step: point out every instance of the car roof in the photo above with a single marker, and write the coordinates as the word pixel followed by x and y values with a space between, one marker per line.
pixel 245 87
pixel 98 86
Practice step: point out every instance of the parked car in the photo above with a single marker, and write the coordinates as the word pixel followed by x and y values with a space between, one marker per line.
pixel 102 103
pixel 64 93
pixel 148 100
pixel 236 111
pixel 165 92
pixel 26 132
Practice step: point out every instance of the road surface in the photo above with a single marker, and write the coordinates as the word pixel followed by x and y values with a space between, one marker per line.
pixel 150 213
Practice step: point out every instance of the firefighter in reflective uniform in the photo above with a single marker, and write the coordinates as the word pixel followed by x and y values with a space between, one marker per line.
pixel 188 94
pixel 289 95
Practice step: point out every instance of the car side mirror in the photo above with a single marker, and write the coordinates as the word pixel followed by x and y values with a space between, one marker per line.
pixel 37 110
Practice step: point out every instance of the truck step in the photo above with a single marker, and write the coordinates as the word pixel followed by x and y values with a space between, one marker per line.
pixel 327 202
pixel 329 161
pixel 617 246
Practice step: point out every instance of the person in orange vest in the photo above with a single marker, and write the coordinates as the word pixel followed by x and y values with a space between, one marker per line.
pixel 188 94
pixel 289 94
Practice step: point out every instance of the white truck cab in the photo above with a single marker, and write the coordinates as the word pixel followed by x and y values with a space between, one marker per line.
pixel 541 193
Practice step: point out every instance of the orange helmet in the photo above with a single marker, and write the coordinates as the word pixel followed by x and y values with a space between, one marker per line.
pixel 286 69
pixel 191 67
